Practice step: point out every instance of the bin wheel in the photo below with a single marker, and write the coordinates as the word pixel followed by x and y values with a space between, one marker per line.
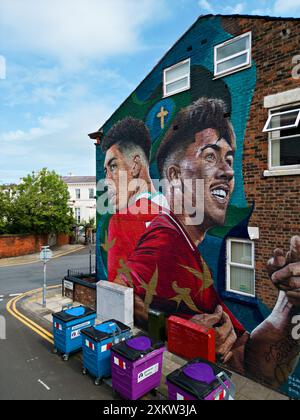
pixel 98 381
pixel 153 392
pixel 116 395
pixel 65 357
pixel 54 351
pixel 84 371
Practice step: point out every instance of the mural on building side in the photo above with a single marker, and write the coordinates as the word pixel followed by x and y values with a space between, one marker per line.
pixel 169 245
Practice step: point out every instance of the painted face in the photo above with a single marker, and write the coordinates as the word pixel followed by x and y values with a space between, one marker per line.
pixel 115 168
pixel 211 159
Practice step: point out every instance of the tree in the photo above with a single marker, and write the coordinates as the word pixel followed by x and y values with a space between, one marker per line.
pixel 5 209
pixel 40 205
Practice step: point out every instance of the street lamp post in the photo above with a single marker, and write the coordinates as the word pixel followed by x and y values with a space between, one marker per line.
pixel 45 256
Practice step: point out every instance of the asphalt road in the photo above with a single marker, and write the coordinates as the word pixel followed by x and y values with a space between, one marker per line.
pixel 28 369
pixel 23 278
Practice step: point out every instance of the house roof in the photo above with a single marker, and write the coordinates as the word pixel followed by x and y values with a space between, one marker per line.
pixel 268 18
pixel 79 179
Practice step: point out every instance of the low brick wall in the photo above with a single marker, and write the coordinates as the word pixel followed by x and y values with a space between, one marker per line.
pixel 19 245
pixel 63 239
pixel 85 296
pixel 84 291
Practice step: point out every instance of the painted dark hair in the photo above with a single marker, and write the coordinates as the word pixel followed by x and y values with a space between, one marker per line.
pixel 126 134
pixel 203 114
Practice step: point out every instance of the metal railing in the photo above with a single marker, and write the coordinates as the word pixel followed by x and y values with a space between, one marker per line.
pixel 79 272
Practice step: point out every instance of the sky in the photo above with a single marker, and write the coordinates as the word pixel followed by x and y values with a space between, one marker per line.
pixel 65 66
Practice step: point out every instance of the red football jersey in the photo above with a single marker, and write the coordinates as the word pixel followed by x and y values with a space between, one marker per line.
pixel 125 230
pixel 168 272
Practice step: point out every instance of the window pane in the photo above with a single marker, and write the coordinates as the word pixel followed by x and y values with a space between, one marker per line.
pixel 178 72
pixel 242 280
pixel 233 48
pixel 78 215
pixel 234 62
pixel 91 194
pixel 284 120
pixel 241 253
pixel 286 152
pixel 181 84
pixel 275 152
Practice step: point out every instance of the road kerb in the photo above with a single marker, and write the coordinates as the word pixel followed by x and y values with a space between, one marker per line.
pixel 38 261
pixel 12 309
pixel 37 331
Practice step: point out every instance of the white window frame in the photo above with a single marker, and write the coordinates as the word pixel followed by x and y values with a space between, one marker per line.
pixel 272 112
pixel 91 189
pixel 286 127
pixel 76 211
pixel 188 75
pixel 234 69
pixel 232 264
pixel 76 190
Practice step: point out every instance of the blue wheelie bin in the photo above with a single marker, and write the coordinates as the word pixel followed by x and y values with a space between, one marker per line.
pixel 96 344
pixel 67 327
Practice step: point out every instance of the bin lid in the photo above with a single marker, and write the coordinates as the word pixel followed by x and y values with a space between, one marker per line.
pixel 200 372
pixel 72 314
pixel 197 378
pixel 106 330
pixel 76 311
pixel 139 343
pixel 137 347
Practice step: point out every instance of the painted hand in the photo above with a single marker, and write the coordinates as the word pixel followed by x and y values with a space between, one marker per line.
pixel 225 334
pixel 284 271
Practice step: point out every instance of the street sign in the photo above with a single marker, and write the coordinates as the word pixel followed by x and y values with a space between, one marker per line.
pixel 46 255
pixel 69 285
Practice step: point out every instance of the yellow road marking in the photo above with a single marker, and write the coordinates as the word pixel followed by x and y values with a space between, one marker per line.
pixel 12 309
pixel 15 310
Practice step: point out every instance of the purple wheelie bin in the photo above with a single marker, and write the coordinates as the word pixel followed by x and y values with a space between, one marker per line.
pixel 137 367
pixel 200 380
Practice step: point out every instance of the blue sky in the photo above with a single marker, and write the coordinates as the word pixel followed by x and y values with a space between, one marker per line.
pixel 70 63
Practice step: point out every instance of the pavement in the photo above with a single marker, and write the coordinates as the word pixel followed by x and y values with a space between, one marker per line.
pixel 34 258
pixel 29 310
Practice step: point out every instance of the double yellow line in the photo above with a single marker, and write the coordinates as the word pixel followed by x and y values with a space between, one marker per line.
pixel 11 307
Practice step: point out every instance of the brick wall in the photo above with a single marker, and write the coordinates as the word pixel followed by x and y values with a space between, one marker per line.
pixel 85 296
pixel 19 245
pixel 15 246
pixel 277 199
pixel 63 239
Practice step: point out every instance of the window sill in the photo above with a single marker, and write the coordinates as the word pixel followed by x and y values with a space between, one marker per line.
pixel 281 172
pixel 235 297
pixel 230 72
pixel 168 95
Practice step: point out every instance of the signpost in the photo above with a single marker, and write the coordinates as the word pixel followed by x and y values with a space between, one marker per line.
pixel 45 255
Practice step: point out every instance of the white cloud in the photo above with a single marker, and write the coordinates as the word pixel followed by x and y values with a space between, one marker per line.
pixel 204 4
pixel 286 7
pixel 46 127
pixel 236 9
pixel 77 30
pixel 262 12
pixel 58 142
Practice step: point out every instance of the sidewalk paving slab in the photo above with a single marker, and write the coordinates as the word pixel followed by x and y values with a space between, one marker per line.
pixel 245 388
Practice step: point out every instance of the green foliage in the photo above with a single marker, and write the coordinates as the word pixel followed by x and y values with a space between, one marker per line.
pixel 5 209
pixel 38 205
